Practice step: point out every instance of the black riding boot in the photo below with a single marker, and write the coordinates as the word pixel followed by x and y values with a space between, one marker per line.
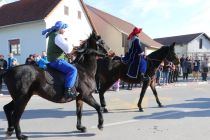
pixel 144 78
pixel 70 93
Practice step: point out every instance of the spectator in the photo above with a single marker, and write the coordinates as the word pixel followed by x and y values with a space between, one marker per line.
pixel 3 67
pixel 195 69
pixel 30 60
pixel 44 55
pixel 12 61
pixel 171 72
pixel 176 73
pixel 159 73
pixel 116 85
pixel 165 72
pixel 181 64
pixel 204 69
pixel 41 61
pixel 130 86
pixel 187 68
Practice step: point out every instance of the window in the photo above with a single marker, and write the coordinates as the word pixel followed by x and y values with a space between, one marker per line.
pixel 66 10
pixel 79 15
pixel 200 43
pixel 14 46
pixel 124 41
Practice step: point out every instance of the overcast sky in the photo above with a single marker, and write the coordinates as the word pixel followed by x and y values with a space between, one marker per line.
pixel 160 18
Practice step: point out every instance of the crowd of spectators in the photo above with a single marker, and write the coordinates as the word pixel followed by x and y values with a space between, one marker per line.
pixel 189 69
pixel 166 73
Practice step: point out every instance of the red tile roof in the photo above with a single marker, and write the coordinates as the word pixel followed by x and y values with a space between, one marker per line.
pixel 121 25
pixel 26 11
pixel 32 10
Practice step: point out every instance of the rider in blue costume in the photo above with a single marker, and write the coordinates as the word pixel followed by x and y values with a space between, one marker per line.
pixel 57 48
pixel 135 56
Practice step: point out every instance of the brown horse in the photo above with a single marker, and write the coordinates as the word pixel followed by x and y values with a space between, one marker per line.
pixel 24 81
pixel 110 70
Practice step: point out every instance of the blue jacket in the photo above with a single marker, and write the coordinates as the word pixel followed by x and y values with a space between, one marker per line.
pixel 133 58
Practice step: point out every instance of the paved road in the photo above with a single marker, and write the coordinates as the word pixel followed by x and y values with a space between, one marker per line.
pixel 186 116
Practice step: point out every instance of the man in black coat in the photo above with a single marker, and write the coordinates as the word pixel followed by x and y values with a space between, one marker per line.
pixel 3 67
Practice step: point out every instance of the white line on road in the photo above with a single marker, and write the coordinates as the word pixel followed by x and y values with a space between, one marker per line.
pixel 136 120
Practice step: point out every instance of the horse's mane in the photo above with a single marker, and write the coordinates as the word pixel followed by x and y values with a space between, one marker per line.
pixel 158 53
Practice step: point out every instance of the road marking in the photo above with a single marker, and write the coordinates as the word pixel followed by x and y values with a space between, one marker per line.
pixel 135 120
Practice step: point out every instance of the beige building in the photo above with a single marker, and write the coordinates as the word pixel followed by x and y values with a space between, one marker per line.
pixel 115 31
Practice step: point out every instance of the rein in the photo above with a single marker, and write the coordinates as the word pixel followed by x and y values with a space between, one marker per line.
pixel 158 60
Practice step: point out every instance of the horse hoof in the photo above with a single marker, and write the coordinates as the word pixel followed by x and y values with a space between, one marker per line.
pixel 105 110
pixel 100 127
pixel 9 133
pixel 160 105
pixel 82 128
pixel 22 137
pixel 141 110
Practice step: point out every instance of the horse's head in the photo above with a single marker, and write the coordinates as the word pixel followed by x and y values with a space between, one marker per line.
pixel 93 44
pixel 172 55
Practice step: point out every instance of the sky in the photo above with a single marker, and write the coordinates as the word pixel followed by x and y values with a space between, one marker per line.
pixel 160 18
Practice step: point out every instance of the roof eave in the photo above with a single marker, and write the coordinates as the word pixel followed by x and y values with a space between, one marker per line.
pixel 5 26
pixel 88 16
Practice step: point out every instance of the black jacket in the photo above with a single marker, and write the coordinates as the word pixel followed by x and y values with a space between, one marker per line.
pixel 3 64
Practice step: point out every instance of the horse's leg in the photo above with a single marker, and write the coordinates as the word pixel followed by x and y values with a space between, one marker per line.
pixel 19 106
pixel 152 85
pixel 79 104
pixel 143 90
pixel 92 102
pixel 104 87
pixel 9 109
pixel 103 102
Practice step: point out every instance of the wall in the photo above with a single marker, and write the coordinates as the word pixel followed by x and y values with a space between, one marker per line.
pixel 79 29
pixel 31 40
pixel 111 36
pixel 180 50
pixel 193 46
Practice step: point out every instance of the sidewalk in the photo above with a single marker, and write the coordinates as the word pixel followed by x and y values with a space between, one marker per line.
pixel 189 82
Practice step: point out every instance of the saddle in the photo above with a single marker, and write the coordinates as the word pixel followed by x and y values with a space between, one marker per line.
pixel 55 77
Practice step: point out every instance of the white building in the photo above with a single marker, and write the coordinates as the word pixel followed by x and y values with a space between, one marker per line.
pixel 191 45
pixel 22 22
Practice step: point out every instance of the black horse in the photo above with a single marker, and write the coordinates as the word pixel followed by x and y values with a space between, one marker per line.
pixel 26 80
pixel 110 70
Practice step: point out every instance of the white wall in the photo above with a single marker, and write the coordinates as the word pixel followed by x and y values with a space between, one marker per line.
pixel 193 46
pixel 31 40
pixel 78 29
pixel 180 50
pixel 149 50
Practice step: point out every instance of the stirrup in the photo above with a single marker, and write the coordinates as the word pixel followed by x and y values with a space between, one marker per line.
pixel 70 93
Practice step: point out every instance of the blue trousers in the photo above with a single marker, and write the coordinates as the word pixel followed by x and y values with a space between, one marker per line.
pixel 66 68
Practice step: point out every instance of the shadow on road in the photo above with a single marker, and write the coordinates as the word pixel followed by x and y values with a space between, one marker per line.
pixel 50 134
pixel 188 109
pixel 201 103
pixel 49 113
